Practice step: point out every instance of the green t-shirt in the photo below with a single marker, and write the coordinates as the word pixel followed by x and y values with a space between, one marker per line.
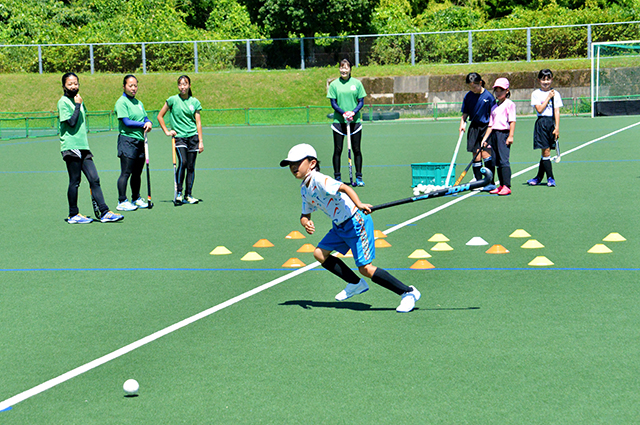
pixel 133 109
pixel 346 94
pixel 72 137
pixel 183 115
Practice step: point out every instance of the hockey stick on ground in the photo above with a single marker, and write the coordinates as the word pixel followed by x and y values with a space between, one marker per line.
pixel 442 192
pixel 453 160
pixel 351 182
pixel 146 155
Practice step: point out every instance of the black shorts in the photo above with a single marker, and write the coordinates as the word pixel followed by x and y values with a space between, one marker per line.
pixel 191 143
pixel 498 141
pixel 543 137
pixel 129 147
pixel 475 133
pixel 76 154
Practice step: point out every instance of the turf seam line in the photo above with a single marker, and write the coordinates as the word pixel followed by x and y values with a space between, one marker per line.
pixel 156 335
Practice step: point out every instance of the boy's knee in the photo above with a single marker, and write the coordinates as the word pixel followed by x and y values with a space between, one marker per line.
pixel 321 254
pixel 367 270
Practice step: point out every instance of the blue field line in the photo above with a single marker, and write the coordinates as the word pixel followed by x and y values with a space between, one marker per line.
pixel 208 269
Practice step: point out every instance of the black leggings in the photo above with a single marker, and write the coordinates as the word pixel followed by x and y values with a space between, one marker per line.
pixel 185 163
pixel 75 167
pixel 338 142
pixel 130 168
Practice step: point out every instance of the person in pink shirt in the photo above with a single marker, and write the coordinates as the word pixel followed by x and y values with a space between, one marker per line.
pixel 502 124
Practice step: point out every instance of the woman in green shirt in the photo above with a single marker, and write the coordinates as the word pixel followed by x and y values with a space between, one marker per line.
pixel 74 147
pixel 184 110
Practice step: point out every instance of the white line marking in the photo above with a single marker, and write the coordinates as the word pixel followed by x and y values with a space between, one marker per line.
pixel 159 334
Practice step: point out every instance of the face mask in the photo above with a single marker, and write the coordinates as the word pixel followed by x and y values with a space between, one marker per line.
pixel 71 93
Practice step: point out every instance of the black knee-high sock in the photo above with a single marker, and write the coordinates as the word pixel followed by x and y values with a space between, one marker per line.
pixel 384 279
pixel 476 170
pixel 340 269
pixel 547 167
pixel 491 165
pixel 540 174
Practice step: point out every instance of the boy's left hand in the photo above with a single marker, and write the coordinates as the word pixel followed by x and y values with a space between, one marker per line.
pixel 366 208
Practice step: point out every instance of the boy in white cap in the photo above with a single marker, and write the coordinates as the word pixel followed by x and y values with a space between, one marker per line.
pixel 502 124
pixel 352 228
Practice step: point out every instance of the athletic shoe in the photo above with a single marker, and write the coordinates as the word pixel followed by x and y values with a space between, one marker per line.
pixel 126 206
pixel 110 217
pixel 489 188
pixel 359 182
pixel 409 300
pixel 141 203
pixel 191 200
pixel 353 289
pixel 504 191
pixel 79 219
pixel 551 182
pixel 496 190
pixel 178 200
pixel 533 182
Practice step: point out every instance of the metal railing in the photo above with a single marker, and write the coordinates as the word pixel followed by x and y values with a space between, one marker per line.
pixel 464 46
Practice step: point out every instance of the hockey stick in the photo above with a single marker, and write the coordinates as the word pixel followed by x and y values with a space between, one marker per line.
pixel 96 209
pixel 442 192
pixel 146 155
pixel 351 182
pixel 553 115
pixel 175 177
pixel 453 160
pixel 464 173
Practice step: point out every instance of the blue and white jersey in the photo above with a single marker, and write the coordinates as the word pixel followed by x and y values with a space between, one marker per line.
pixel 321 192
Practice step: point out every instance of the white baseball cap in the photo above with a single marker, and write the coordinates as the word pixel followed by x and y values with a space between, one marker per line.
pixel 298 153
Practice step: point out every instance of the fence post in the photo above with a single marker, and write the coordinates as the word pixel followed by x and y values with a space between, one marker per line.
pixel 248 55
pixel 40 58
pixel 144 60
pixel 528 44
pixel 302 53
pixel 195 56
pixel 91 58
pixel 589 41
pixel 357 48
pixel 470 47
pixel 413 49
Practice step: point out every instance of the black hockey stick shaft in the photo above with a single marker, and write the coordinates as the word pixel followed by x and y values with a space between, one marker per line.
pixel 146 154
pixel 349 154
pixel 487 176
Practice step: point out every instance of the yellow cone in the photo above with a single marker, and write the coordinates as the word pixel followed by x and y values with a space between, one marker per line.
pixel 262 243
pixel 497 249
pixel 439 237
pixel 252 256
pixel 379 234
pixel 348 254
pixel 520 233
pixel 532 244
pixel 295 235
pixel 307 248
pixel 422 264
pixel 599 248
pixel 381 243
pixel 614 237
pixel 541 261
pixel 293 263
pixel 420 253
pixel 220 250
pixel 442 246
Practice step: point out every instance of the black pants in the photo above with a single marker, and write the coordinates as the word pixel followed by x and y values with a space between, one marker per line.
pixel 338 143
pixel 130 168
pixel 185 164
pixel 75 167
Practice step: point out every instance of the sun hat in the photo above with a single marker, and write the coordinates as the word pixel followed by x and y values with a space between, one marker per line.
pixel 298 153
pixel 502 83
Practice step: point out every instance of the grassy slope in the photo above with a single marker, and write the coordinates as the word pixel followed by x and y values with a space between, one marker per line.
pixel 232 89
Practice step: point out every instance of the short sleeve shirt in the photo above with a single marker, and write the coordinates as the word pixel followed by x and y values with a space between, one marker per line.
pixel 502 115
pixel 478 106
pixel 538 97
pixel 183 115
pixel 323 193
pixel 132 108
pixel 346 93
pixel 72 137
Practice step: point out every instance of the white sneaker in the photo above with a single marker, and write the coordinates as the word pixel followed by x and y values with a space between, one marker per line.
pixel 141 203
pixel 126 206
pixel 353 289
pixel 408 300
pixel 191 200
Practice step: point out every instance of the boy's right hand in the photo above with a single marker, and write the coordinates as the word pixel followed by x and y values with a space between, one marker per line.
pixel 310 227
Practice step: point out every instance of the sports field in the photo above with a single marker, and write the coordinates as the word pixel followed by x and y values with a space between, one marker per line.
pixel 492 341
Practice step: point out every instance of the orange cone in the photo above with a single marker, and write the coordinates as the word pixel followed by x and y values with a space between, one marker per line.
pixel 381 243
pixel 293 263
pixel 348 254
pixel 422 264
pixel 295 235
pixel 307 248
pixel 497 249
pixel 263 243
pixel 379 234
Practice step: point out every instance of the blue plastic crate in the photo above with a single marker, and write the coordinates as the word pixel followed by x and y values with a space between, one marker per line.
pixel 434 173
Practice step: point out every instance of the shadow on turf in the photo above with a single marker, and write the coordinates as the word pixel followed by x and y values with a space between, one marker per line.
pixel 308 304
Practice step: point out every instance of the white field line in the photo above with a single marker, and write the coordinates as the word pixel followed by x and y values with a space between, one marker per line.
pixel 179 325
